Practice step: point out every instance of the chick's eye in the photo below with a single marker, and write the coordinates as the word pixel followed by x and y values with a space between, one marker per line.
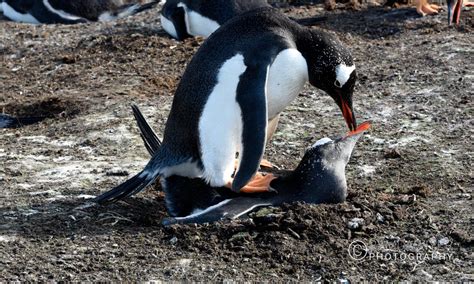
pixel 337 83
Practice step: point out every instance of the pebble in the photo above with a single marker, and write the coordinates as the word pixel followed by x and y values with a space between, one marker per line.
pixel 444 269
pixel 432 241
pixel 117 172
pixel 239 236
pixel 443 241
pixel 173 240
pixel 343 278
pixel 425 274
pixel 355 223
pixel 410 248
pixel 380 218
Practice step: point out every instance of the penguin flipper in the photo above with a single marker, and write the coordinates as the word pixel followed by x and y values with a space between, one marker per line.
pixel 150 139
pixel 251 97
pixel 226 209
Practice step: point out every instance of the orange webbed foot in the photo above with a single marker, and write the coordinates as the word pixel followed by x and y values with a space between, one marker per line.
pixel 260 183
pixel 266 164
pixel 423 8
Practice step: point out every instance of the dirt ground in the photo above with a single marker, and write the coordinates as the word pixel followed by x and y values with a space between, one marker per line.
pixel 409 211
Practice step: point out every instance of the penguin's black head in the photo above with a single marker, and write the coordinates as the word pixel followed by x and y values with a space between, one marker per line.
pixel 331 69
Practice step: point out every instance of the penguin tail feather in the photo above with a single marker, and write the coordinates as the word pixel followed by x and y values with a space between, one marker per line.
pixel 313 21
pixel 130 187
pixel 149 137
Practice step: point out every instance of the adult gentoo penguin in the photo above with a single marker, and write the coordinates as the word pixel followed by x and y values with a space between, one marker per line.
pixel 71 12
pixel 231 95
pixel 186 18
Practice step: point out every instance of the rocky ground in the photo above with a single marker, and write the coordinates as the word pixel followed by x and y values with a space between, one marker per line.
pixel 409 211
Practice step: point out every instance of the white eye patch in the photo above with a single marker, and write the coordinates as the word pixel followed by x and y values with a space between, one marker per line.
pixel 321 141
pixel 343 73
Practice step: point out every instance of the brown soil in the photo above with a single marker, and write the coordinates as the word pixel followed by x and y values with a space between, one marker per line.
pixel 410 177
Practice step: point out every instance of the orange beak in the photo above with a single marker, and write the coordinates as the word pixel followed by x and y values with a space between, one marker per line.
pixel 348 115
pixel 361 128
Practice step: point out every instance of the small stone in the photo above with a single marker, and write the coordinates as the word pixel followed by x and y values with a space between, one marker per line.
pixel 173 240
pixel 184 262
pixel 410 237
pixel 117 172
pixel 443 241
pixel 294 234
pixel 425 274
pixel 239 236
pixel 380 218
pixel 392 154
pixel 409 248
pixel 432 241
pixel 355 223
pixel 444 270
pixel 265 211
pixel 343 278
pixel 68 59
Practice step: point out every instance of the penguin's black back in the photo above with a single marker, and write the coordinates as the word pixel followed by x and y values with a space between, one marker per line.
pixel 258 35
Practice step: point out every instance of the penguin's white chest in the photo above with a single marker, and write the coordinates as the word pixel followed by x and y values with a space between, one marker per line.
pixel 220 124
pixel 196 24
pixel 287 77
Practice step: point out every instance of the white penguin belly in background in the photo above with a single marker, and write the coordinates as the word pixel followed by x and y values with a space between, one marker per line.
pixel 198 25
pixel 168 26
pixel 13 15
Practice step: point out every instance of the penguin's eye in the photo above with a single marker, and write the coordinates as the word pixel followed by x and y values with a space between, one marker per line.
pixel 337 84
